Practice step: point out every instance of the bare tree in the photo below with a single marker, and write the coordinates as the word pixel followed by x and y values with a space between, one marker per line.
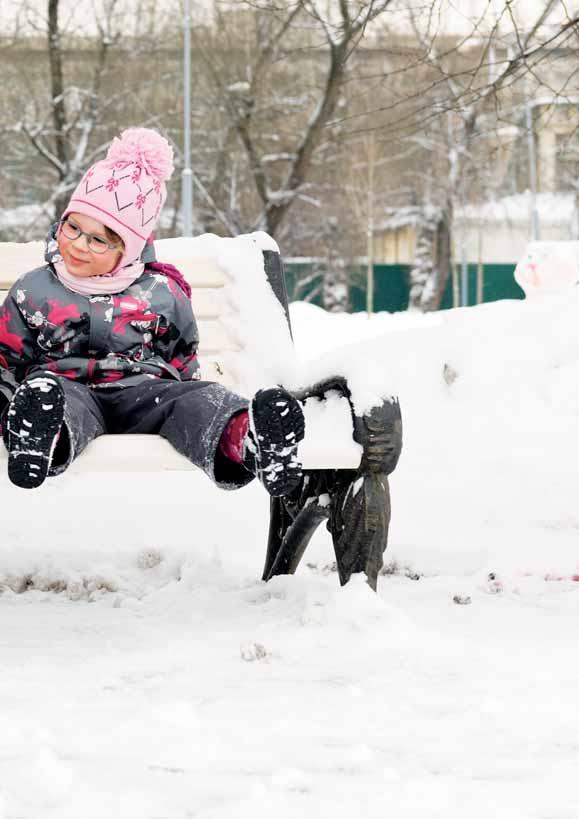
pixel 461 96
pixel 80 87
pixel 74 112
pixel 286 96
pixel 282 179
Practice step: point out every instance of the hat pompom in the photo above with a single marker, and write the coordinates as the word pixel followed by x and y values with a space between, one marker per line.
pixel 145 148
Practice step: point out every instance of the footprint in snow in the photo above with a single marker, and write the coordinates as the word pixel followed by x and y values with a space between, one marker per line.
pixel 252 652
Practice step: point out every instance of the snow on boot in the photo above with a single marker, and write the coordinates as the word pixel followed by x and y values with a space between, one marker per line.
pixel 276 426
pixel 33 421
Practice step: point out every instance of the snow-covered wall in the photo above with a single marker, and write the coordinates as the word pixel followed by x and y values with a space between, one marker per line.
pixel 498 232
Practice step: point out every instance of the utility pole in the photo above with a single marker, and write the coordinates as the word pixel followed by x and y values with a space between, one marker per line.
pixel 463 270
pixel 370 228
pixel 535 231
pixel 187 175
pixel 463 254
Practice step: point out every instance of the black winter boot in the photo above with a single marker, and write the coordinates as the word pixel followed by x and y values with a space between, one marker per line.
pixel 32 424
pixel 276 426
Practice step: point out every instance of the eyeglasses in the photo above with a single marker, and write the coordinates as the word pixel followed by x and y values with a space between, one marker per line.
pixel 96 244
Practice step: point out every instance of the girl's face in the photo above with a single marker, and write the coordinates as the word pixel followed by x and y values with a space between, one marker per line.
pixel 80 259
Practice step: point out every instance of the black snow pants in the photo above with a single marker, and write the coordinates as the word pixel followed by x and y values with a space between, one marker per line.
pixel 191 415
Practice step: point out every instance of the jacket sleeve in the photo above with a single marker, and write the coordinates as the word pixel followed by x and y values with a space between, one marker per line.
pixel 17 346
pixel 177 342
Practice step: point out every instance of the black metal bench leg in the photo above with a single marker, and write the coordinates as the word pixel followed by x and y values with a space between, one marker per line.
pixel 295 540
pixel 355 503
pixel 359 524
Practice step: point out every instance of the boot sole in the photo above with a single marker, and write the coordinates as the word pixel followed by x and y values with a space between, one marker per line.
pixel 277 424
pixel 34 419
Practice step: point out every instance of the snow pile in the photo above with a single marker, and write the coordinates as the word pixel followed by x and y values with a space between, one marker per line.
pixel 269 356
pixel 318 332
pixel 256 322
pixel 147 672
pixel 490 402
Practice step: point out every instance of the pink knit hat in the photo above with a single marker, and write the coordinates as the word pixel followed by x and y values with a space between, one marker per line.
pixel 126 190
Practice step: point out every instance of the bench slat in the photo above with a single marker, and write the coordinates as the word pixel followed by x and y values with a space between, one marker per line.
pixel 214 338
pixel 19 258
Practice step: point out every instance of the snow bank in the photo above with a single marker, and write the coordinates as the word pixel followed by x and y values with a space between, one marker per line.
pixel 490 402
pixel 147 672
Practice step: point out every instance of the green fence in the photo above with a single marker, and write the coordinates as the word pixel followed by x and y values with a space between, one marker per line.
pixel 391 285
pixel 498 283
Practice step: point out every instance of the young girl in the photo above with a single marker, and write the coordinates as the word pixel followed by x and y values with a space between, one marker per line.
pixel 102 339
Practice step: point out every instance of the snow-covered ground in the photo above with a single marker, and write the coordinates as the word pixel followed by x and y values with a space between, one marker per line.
pixel 147 672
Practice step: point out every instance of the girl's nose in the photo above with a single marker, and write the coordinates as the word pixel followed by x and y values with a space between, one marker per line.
pixel 82 237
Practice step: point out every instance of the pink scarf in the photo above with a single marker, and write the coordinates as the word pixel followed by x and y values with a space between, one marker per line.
pixel 98 285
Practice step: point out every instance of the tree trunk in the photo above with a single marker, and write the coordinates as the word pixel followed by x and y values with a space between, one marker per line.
pixel 433 259
pixel 423 274
pixel 335 290
pixel 335 283
pixel 275 212
pixel 57 101
pixel 443 256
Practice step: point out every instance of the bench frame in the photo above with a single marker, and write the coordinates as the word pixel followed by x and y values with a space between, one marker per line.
pixel 355 503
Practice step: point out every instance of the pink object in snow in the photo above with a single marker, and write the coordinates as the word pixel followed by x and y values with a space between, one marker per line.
pixel 548 267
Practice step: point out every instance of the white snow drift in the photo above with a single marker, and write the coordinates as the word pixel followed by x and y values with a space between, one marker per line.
pixel 147 672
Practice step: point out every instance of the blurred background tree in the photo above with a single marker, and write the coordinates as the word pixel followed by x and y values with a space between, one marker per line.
pixel 329 123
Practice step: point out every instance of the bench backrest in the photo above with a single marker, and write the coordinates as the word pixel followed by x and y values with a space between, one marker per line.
pixel 238 295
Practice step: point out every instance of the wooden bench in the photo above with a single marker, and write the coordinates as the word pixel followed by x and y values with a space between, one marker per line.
pixel 240 303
